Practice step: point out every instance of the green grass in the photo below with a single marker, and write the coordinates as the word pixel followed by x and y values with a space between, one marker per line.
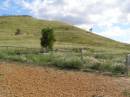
pixel 71 63
pixel 64 34
pixel 69 60
pixel 102 54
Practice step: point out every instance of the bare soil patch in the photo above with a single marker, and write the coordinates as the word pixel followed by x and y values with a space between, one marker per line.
pixel 29 81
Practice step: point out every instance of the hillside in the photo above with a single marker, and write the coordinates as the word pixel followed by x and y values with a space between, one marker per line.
pixel 65 73
pixel 65 34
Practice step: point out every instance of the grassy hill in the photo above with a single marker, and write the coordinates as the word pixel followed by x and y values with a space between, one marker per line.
pixel 66 35
pixel 103 54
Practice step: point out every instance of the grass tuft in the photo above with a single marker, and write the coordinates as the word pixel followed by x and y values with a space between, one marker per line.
pixel 68 64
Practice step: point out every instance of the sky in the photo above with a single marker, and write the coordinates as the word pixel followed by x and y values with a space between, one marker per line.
pixel 109 18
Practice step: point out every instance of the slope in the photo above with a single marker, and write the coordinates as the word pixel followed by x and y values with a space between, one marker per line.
pixel 64 33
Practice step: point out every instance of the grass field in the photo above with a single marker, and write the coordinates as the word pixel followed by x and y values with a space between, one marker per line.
pixel 69 59
pixel 64 33
pixel 102 54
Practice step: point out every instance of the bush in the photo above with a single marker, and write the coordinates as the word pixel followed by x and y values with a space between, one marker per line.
pixel 103 56
pixel 39 59
pixel 106 67
pixel 119 69
pixel 95 66
pixel 68 64
pixel 18 32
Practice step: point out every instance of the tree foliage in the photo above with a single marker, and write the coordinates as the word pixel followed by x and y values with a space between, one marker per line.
pixel 47 39
pixel 18 32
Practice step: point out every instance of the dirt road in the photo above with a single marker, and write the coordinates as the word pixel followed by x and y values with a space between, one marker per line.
pixel 29 81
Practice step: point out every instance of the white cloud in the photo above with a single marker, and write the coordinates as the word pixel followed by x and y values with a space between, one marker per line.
pixel 94 11
pixel 84 13
pixel 113 32
pixel 117 33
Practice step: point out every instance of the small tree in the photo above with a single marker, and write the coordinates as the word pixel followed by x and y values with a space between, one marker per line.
pixel 18 32
pixel 47 39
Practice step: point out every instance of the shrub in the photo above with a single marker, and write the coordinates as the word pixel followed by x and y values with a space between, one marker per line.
pixel 119 69
pixel 106 67
pixel 18 32
pixel 103 56
pixel 39 59
pixel 68 64
pixel 47 38
pixel 95 66
pixel 91 60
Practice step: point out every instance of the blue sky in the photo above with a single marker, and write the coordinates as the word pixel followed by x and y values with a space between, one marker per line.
pixel 10 7
pixel 109 18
